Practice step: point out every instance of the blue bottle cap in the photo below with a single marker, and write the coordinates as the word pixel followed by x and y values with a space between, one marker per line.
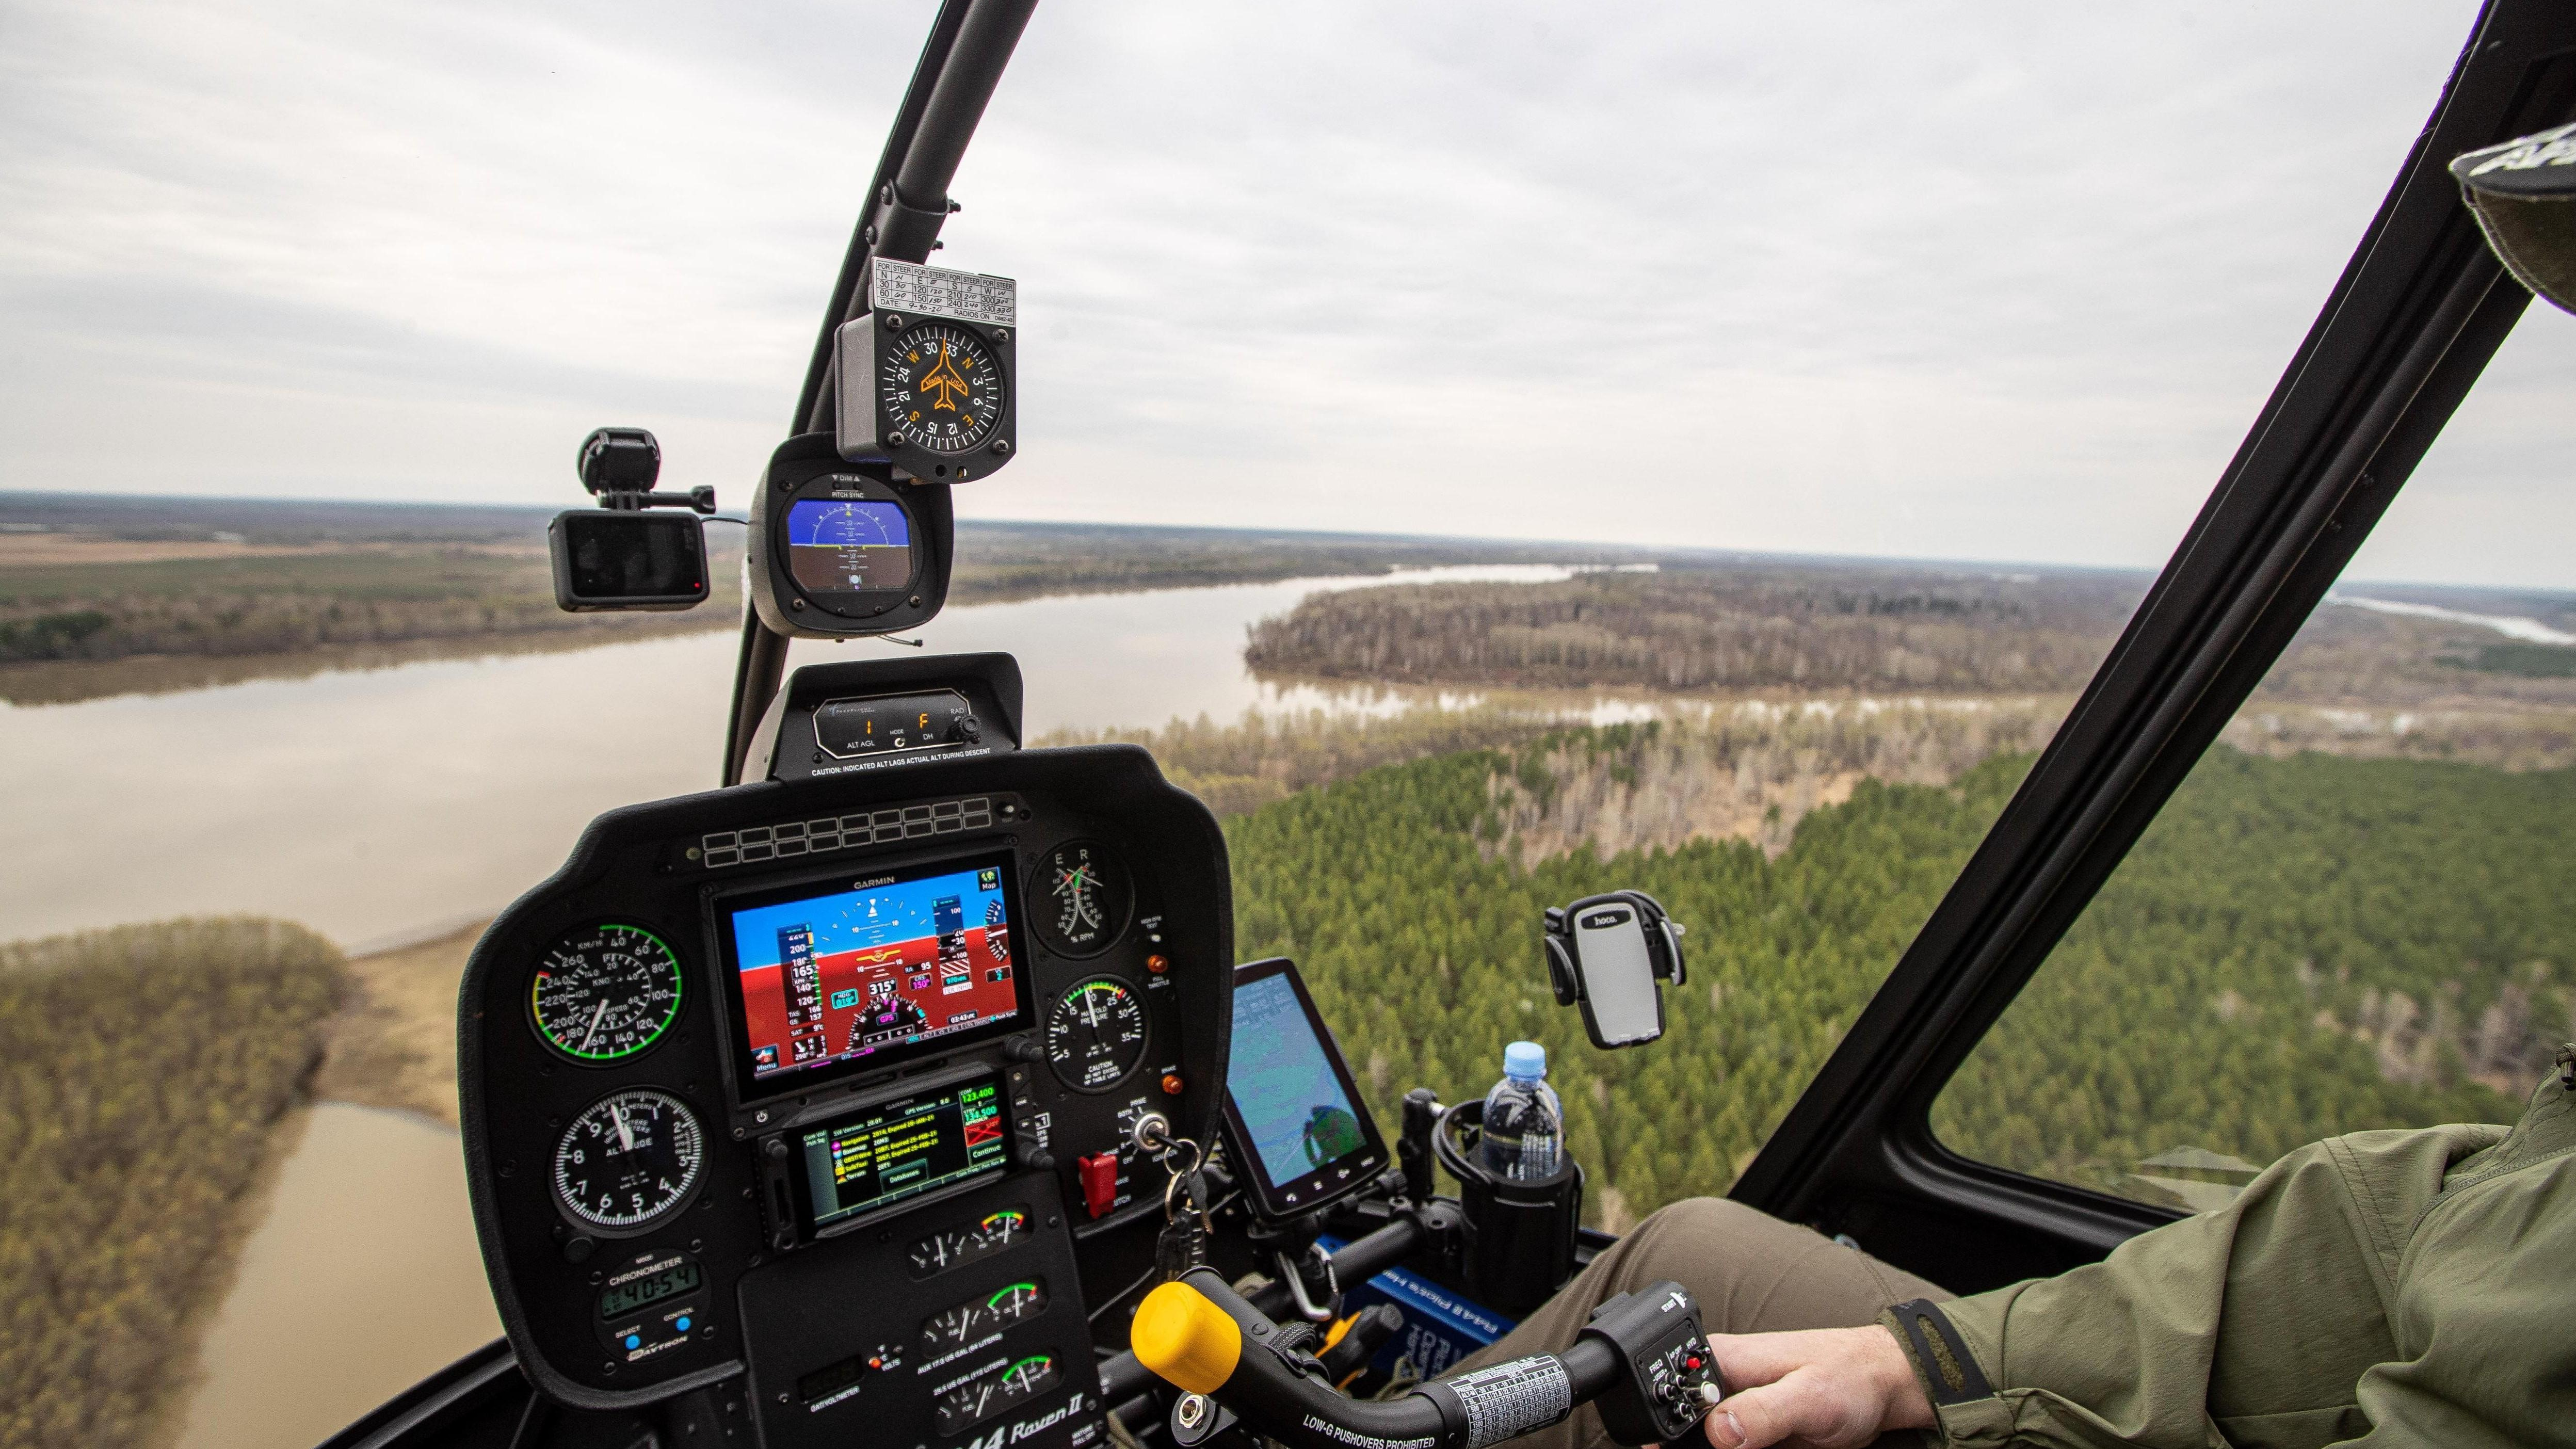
pixel 1525 1059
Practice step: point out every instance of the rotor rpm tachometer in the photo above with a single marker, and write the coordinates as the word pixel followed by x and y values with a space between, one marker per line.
pixel 1095 1036
pixel 1083 896
pixel 629 1160
pixel 605 993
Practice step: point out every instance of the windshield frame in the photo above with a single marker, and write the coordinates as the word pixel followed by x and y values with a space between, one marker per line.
pixel 2403 337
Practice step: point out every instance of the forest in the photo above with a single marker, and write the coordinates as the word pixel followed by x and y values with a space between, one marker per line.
pixel 94 579
pixel 1750 624
pixel 143 1072
pixel 2303 946
pixel 2300 945
pixel 1775 626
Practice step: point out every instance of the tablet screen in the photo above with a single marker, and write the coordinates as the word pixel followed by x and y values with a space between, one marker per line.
pixel 1290 1102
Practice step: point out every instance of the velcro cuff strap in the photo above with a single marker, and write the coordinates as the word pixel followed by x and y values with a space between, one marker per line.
pixel 1950 1373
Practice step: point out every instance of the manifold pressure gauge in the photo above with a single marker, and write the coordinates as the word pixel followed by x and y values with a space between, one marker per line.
pixel 1095 1036
pixel 925 373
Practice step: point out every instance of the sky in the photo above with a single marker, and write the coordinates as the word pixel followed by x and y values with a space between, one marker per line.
pixel 1998 281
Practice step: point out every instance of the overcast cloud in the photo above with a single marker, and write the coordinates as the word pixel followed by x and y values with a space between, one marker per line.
pixel 2001 281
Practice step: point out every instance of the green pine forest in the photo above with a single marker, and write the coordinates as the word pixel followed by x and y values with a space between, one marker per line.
pixel 2299 947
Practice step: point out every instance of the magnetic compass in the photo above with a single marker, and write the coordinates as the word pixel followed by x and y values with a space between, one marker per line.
pixel 939 389
pixel 1082 897
pixel 925 372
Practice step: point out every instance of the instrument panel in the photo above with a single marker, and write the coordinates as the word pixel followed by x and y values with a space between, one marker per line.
pixel 839 1123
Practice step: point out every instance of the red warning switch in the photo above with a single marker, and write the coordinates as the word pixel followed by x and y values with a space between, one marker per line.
pixel 1099 1182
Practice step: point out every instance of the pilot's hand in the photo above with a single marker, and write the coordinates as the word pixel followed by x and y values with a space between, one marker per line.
pixel 1826 1388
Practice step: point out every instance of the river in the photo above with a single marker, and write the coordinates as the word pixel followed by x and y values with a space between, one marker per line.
pixel 382 805
pixel 385 805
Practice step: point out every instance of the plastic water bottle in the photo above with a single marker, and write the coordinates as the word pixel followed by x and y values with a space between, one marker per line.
pixel 1524 1129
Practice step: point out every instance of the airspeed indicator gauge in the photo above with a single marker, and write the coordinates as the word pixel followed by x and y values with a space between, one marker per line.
pixel 605 993
pixel 1081 898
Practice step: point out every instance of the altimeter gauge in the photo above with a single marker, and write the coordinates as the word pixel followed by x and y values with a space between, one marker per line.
pixel 629 1160
pixel 1081 897
pixel 1095 1035
pixel 605 993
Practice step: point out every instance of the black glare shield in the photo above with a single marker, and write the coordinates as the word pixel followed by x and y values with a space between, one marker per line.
pixel 2523 194
pixel 609 561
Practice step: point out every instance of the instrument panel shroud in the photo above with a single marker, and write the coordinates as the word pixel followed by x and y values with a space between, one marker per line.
pixel 641 864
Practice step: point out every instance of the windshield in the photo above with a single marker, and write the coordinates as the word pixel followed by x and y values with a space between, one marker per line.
pixel 1489 460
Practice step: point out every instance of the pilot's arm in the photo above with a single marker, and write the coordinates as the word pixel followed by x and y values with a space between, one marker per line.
pixel 2386 1288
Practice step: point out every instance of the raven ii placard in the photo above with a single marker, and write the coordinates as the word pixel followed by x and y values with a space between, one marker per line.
pixel 926 380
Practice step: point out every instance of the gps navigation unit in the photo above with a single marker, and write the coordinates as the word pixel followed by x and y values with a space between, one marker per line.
pixel 836 977
pixel 898 1150
pixel 1293 1119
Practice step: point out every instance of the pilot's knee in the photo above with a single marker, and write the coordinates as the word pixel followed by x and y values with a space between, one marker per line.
pixel 1702 1216
pixel 1688 1230
pixel 1703 1242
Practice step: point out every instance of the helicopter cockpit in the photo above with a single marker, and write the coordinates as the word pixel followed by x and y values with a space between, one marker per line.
pixel 849 1100
pixel 907 1089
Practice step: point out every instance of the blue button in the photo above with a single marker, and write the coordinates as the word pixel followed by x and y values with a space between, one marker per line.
pixel 683 1324
pixel 634 1340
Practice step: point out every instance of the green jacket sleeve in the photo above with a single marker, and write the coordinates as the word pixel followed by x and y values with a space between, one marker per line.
pixel 2251 1325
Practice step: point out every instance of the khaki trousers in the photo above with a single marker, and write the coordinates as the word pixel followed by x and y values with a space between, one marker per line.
pixel 1751 1273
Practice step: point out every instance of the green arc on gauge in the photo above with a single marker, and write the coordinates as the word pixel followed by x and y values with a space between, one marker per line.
pixel 1005 1291
pixel 577 994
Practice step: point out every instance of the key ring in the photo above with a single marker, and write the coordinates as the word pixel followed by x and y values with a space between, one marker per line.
pixel 1172 1186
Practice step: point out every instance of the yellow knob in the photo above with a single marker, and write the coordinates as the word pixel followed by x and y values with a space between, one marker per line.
pixel 1180 1335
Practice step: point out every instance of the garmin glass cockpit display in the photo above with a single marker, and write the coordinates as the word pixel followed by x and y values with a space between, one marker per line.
pixel 827 982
